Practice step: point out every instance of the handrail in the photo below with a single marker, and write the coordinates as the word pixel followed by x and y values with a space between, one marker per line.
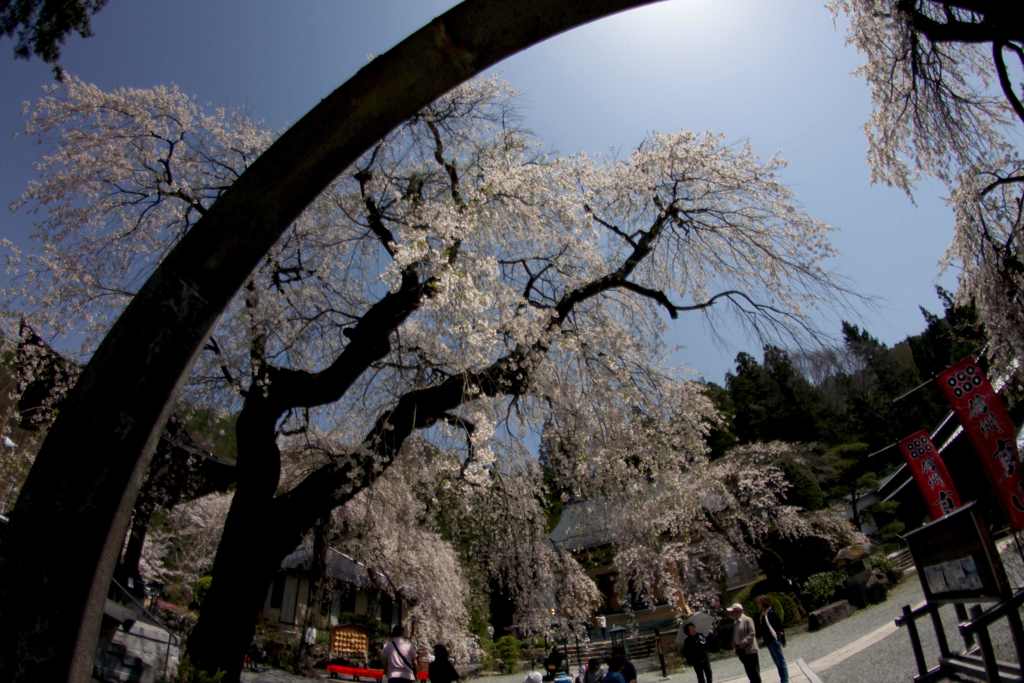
pixel 992 613
pixel 172 637
pixel 916 613
pixel 141 606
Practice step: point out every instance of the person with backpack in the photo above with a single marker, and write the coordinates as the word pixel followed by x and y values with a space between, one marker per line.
pixel 773 635
pixel 695 652
pixel 399 658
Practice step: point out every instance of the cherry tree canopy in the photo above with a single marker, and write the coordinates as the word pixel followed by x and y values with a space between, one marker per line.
pixel 155 341
pixel 457 281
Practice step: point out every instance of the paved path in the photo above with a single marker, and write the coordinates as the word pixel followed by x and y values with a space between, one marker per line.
pixel 831 651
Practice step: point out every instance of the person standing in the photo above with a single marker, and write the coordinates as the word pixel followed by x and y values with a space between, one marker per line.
pixel 626 667
pixel 614 674
pixel 695 651
pixel 399 658
pixel 441 670
pixel 774 636
pixel 744 642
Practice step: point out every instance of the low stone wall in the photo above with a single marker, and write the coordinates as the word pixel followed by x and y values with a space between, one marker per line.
pixel 828 615
pixel 141 654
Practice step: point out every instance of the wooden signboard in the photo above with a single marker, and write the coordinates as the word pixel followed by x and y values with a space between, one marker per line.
pixel 350 642
pixel 956 559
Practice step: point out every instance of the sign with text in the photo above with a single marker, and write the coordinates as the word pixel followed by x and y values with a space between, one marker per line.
pixel 956 559
pixel 930 473
pixel 991 431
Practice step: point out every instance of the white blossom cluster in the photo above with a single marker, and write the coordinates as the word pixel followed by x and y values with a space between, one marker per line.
pixel 387 528
pixel 180 548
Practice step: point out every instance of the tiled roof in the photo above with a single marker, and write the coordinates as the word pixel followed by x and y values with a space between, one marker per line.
pixel 339 566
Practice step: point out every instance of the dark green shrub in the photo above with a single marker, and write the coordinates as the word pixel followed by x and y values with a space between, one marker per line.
pixel 804 491
pixel 508 651
pixel 490 659
pixel 890 533
pixel 820 589
pixel 891 571
pixel 200 589
pixel 788 609
pixel 188 674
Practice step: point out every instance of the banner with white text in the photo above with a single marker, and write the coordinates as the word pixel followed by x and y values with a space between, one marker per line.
pixel 984 418
pixel 930 473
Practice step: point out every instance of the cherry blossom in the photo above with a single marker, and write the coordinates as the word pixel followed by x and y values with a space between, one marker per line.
pixel 458 285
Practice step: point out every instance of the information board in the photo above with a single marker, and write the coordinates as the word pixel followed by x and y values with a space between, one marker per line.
pixel 956 559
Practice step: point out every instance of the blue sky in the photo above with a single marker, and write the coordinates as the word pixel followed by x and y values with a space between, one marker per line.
pixel 777 74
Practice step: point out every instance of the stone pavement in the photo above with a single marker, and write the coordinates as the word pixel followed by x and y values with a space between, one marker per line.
pixel 830 652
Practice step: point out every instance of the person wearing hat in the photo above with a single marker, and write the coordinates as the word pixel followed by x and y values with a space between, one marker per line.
pixel 744 642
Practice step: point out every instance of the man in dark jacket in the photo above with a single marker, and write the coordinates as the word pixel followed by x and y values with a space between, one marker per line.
pixel 626 667
pixel 695 651
pixel 773 635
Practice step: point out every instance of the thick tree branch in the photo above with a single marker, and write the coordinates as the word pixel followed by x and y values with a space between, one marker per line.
pixel 1004 79
pixel 448 166
pixel 373 213
pixel 950 31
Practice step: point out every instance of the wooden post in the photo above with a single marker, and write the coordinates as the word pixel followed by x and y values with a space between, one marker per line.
pixel 940 633
pixel 915 639
pixel 1017 631
pixel 987 653
pixel 961 617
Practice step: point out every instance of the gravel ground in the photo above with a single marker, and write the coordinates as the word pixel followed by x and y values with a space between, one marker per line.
pixel 892 659
pixel 274 677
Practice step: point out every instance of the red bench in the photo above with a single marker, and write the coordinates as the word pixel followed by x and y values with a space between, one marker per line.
pixel 355 673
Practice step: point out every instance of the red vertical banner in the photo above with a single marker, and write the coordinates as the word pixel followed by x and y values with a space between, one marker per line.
pixel 930 473
pixel 987 423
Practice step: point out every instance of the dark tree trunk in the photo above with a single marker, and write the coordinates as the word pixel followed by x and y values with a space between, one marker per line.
pixel 136 541
pixel 250 553
pixel 317 581
pixel 251 548
pixel 79 495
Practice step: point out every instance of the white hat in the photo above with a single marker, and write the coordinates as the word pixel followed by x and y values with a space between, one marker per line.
pixel 533 677
pixel 735 607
